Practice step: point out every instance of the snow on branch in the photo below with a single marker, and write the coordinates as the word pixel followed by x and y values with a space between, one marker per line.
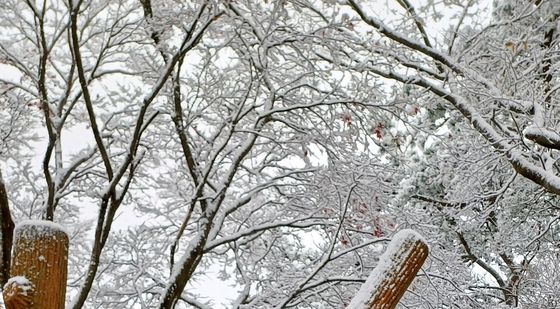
pixel 542 136
pixel 520 163
pixel 439 57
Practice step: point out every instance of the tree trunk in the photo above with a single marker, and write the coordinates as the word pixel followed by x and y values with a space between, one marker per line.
pixel 39 267
pixel 391 277
pixel 6 233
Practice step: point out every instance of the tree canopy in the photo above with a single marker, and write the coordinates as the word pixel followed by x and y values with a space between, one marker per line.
pixel 280 144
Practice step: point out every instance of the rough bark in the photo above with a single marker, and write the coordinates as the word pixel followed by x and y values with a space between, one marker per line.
pixel 41 257
pixel 396 270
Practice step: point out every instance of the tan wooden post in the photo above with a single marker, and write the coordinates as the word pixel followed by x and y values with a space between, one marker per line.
pixel 391 277
pixel 39 267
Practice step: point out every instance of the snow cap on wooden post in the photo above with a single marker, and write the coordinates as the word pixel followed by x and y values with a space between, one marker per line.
pixel 39 267
pixel 391 277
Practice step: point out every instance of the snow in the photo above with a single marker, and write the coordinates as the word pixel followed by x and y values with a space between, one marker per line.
pixel 543 136
pixel 526 168
pixel 39 226
pixel 21 282
pixel 385 265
